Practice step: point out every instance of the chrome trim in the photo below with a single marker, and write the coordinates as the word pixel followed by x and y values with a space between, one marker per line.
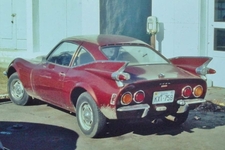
pixel 182 109
pixel 114 75
pixel 182 91
pixel 190 101
pixel 145 107
pixel 184 104
pixel 202 70
pixel 160 108
pixel 5 73
pixel 113 99
pixel 135 95
pixel 193 91
pixel 161 75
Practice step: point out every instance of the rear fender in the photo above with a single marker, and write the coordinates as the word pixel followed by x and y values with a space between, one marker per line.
pixel 195 65
pixel 110 69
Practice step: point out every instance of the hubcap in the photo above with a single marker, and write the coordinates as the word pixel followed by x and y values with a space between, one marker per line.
pixel 86 116
pixel 17 90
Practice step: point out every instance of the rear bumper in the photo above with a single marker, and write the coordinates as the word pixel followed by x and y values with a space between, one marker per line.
pixel 141 110
pixel 139 107
pixel 187 103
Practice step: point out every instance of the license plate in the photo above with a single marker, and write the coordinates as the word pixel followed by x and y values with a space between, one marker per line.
pixel 163 97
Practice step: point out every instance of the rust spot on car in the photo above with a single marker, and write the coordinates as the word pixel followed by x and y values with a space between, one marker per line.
pixel 109 112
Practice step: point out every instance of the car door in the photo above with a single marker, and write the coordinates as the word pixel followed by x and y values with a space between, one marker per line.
pixel 48 78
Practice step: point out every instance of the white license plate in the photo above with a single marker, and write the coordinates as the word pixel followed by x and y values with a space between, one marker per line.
pixel 163 97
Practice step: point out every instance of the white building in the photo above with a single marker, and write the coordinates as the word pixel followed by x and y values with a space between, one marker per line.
pixel 29 28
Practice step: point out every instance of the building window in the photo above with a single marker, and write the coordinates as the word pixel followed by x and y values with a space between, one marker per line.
pixel 219 39
pixel 219 11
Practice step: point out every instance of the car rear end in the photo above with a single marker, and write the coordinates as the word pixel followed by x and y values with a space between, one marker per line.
pixel 160 97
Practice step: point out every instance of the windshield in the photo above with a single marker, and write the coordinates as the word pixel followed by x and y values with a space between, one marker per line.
pixel 134 54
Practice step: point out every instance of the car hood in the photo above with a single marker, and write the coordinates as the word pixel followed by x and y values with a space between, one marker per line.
pixel 157 72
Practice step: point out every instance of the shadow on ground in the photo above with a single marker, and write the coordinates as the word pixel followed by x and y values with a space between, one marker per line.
pixel 196 120
pixel 27 136
pixel 206 116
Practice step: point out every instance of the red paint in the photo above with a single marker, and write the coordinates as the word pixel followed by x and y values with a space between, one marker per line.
pixel 56 84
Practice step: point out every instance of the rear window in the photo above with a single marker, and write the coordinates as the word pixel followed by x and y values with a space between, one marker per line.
pixel 136 55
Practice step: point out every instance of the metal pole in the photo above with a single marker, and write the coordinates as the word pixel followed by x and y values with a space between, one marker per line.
pixel 153 40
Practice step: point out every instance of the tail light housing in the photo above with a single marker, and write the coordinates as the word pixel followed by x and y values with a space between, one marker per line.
pixel 197 91
pixel 211 71
pixel 126 98
pixel 139 96
pixel 123 76
pixel 186 91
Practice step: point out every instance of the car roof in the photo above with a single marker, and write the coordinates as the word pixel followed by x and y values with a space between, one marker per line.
pixel 105 40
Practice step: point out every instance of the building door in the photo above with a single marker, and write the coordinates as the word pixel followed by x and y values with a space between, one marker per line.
pixel 13 24
pixel 216 40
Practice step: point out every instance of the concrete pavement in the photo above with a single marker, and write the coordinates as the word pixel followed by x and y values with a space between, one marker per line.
pixel 41 126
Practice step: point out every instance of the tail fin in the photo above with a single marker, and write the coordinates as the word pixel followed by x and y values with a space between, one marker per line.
pixel 195 65
pixel 110 69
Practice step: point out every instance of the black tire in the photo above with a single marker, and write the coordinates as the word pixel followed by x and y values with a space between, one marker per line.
pixel 17 93
pixel 180 119
pixel 90 119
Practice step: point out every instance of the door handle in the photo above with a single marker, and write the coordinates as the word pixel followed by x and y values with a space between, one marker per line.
pixel 62 74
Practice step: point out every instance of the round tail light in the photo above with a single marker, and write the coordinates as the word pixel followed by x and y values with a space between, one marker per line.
pixel 126 98
pixel 197 91
pixel 139 96
pixel 186 91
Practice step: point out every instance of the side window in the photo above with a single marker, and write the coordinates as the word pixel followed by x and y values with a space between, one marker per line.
pixel 83 57
pixel 63 54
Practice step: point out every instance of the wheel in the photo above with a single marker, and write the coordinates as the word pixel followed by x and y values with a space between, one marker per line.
pixel 17 93
pixel 91 121
pixel 179 119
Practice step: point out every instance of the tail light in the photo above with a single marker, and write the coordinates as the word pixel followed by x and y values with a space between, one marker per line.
pixel 186 91
pixel 197 91
pixel 126 98
pixel 211 71
pixel 139 96
pixel 123 76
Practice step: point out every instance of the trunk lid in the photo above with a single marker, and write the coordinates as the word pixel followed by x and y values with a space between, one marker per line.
pixel 157 72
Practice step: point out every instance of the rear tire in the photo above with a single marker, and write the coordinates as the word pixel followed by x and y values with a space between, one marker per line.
pixel 90 119
pixel 17 93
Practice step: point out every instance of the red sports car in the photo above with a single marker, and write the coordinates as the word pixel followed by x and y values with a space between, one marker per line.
pixel 111 77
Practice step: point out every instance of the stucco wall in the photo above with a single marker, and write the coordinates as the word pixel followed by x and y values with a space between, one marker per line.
pixel 179 27
pixel 49 21
pixel 65 18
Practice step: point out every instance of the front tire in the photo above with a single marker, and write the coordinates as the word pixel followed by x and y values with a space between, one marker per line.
pixel 17 93
pixel 90 119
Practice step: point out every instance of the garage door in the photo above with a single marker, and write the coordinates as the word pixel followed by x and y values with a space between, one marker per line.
pixel 216 40
pixel 125 17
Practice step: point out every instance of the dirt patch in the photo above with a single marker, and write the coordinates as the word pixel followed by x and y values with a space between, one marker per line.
pixel 210 106
pixel 3 82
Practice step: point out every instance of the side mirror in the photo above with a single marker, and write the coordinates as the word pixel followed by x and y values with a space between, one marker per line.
pixel 43 59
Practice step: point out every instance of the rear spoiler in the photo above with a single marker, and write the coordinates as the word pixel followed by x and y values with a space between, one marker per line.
pixel 195 65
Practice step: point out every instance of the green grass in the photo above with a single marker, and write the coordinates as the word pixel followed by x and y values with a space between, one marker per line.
pixel 3 82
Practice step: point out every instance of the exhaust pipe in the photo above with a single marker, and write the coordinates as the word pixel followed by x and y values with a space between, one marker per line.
pixel 171 118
